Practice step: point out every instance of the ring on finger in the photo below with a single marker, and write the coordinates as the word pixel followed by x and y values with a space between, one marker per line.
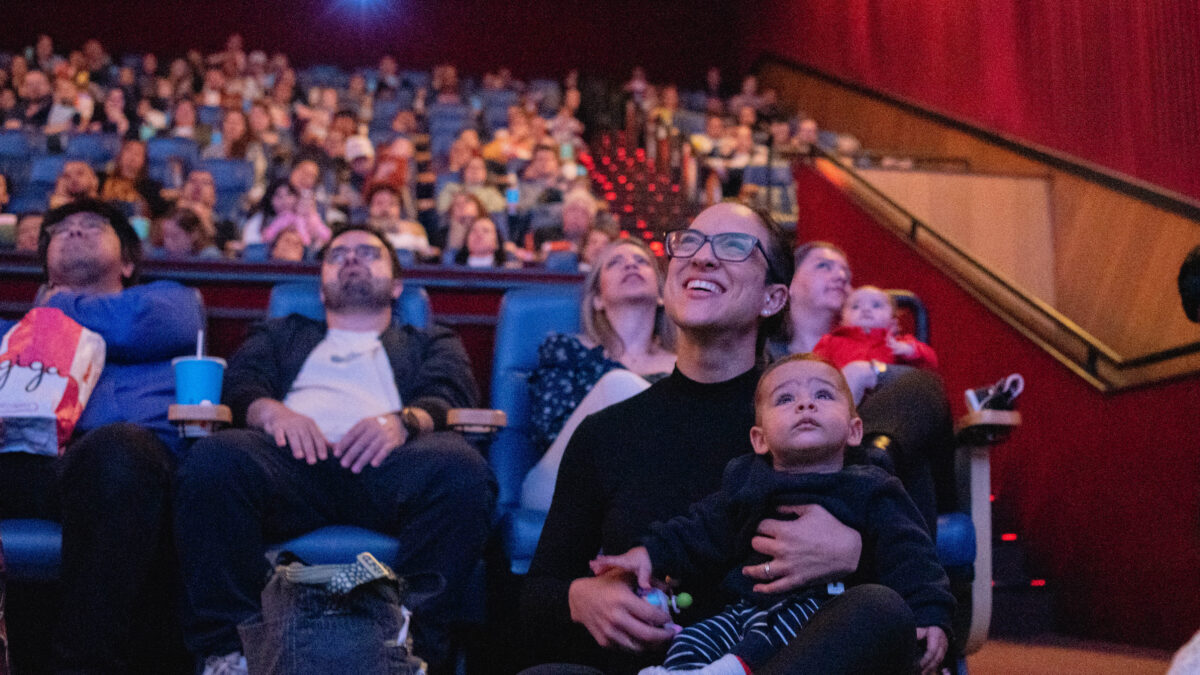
pixel 767 570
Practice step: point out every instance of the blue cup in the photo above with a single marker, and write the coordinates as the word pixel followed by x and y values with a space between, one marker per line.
pixel 198 379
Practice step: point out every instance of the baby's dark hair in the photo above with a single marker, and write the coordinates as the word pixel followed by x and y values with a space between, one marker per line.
pixel 839 381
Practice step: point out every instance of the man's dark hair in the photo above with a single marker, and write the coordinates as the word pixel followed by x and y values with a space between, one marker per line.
pixel 1189 285
pixel 363 227
pixel 131 245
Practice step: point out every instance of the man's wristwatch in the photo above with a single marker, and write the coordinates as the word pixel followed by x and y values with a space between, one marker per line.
pixel 410 420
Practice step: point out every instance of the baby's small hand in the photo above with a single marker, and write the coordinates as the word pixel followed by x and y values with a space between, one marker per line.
pixel 936 645
pixel 900 347
pixel 635 560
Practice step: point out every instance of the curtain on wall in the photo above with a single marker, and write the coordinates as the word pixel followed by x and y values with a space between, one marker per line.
pixel 1115 82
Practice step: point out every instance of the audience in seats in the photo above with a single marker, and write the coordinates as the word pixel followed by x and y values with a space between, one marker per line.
pixel 578 214
pixel 77 181
pixel 303 218
pixel 287 247
pixel 352 179
pixel 599 235
pixel 110 117
pixel 184 235
pixel 127 181
pixel 384 213
pixel 29 226
pixel 372 454
pixel 184 124
pixel 258 109
pixel 475 182
pixel 649 457
pixel 279 197
pixel 483 248
pixel 627 342
pixel 110 488
pixel 464 210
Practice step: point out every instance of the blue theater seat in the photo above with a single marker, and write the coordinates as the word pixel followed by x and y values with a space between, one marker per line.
pixel 31 548
pixel 95 149
pixel 527 316
pixel 300 297
pixel 232 179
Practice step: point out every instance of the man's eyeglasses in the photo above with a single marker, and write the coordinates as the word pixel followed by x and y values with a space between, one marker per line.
pixel 89 223
pixel 364 252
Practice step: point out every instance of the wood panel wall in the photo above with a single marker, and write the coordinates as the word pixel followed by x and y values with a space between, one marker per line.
pixel 1116 258
pixel 1001 221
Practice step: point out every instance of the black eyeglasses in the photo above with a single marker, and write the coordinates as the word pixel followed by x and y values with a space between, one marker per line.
pixel 364 252
pixel 727 246
pixel 89 223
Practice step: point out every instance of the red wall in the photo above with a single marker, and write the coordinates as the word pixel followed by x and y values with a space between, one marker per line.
pixel 1113 82
pixel 535 38
pixel 1103 489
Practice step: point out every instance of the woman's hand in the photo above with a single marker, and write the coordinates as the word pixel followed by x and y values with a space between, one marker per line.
pixel 636 561
pixel 861 377
pixel 615 615
pixel 813 547
pixel 936 644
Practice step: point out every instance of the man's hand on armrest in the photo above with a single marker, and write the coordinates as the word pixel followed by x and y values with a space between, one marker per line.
pixel 813 547
pixel 289 428
pixel 370 441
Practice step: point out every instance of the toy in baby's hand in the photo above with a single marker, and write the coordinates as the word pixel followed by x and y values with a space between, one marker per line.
pixel 637 562
pixel 669 601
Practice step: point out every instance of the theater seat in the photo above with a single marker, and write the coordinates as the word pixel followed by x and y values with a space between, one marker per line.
pixel 527 316
pixel 300 297
pixel 31 548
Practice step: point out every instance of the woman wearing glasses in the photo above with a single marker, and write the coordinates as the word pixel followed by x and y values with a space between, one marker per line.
pixel 648 458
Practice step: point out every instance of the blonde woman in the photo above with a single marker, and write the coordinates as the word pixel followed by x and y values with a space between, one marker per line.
pixel 626 344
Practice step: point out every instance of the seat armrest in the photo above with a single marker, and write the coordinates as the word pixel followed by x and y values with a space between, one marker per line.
pixel 975 434
pixel 986 427
pixel 198 421
pixel 476 420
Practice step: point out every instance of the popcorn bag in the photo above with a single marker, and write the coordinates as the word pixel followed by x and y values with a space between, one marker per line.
pixel 49 365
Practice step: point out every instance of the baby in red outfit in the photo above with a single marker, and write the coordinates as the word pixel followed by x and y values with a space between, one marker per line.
pixel 869 332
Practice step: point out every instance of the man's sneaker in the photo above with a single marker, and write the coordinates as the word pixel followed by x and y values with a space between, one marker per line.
pixel 1000 396
pixel 232 663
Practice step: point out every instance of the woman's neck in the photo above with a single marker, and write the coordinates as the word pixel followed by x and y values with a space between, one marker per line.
pixel 716 356
pixel 634 324
pixel 808 325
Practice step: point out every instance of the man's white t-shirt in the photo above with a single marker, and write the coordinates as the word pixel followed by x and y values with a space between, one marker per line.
pixel 345 379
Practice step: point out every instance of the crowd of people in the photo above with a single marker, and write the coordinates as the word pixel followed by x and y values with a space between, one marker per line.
pixel 340 142
pixel 345 420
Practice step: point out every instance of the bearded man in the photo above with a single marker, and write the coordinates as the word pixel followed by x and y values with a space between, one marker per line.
pixel 341 425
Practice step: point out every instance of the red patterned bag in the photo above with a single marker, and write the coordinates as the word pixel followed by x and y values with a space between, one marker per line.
pixel 49 365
